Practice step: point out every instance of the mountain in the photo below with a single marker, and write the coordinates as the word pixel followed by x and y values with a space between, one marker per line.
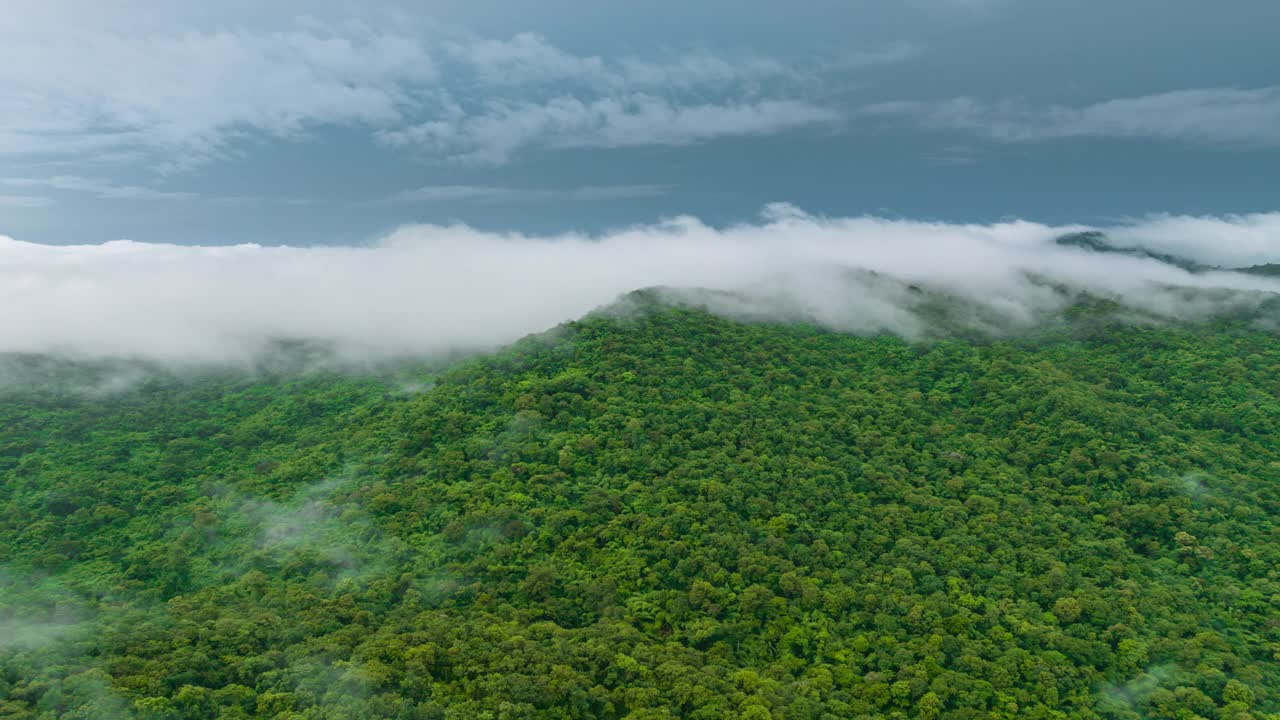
pixel 655 512
pixel 1268 269
pixel 1095 241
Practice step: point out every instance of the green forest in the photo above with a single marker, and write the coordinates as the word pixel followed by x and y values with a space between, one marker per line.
pixel 661 514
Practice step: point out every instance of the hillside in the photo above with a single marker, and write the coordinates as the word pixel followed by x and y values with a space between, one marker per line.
pixel 1097 242
pixel 655 515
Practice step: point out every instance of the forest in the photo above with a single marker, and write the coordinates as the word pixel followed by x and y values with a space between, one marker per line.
pixel 657 514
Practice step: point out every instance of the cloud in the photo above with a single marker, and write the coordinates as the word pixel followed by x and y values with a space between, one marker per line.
pixel 99 188
pixel 317 523
pixel 1230 241
pixel 108 190
pixel 1224 116
pixel 528 58
pixel 588 101
pixel 432 289
pixel 24 201
pixel 41 611
pixel 503 129
pixel 502 193
pixel 191 92
pixel 178 96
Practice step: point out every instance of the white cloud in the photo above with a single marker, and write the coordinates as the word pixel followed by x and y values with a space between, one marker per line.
pixel 99 188
pixel 24 201
pixel 109 190
pixel 528 58
pixel 427 289
pixel 503 193
pixel 503 129
pixel 178 95
pixel 191 92
pixel 1231 241
pixel 1231 116
pixel 592 101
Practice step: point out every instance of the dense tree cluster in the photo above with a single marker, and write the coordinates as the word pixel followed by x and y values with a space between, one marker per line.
pixel 656 516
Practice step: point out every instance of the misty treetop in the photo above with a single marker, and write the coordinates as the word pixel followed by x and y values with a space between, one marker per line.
pixel 660 515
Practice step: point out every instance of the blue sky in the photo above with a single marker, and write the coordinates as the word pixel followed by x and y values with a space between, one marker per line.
pixel 326 123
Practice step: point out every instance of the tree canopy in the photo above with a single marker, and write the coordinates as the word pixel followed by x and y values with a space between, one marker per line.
pixel 661 515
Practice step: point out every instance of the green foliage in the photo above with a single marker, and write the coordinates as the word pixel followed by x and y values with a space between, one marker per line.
pixel 668 515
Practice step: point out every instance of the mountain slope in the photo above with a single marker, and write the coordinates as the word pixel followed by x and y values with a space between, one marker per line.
pixel 1098 242
pixel 661 514
pixel 1266 270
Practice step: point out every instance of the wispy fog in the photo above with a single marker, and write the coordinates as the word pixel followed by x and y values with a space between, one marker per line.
pixel 436 289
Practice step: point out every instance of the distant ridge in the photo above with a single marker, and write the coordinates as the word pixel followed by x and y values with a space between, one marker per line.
pixel 1267 269
pixel 1096 241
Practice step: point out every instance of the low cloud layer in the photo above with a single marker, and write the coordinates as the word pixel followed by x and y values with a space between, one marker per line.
pixel 433 289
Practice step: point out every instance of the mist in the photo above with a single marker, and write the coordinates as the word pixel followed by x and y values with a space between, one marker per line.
pixel 428 290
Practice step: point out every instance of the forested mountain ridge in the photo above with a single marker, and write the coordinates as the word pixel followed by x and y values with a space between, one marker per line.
pixel 1098 242
pixel 659 514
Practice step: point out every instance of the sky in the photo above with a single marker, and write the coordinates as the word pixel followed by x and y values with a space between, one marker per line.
pixel 330 123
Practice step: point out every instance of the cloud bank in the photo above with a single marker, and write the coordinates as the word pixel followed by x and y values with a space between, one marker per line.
pixel 437 289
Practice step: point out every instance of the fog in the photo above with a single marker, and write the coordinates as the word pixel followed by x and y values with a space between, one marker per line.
pixel 426 289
